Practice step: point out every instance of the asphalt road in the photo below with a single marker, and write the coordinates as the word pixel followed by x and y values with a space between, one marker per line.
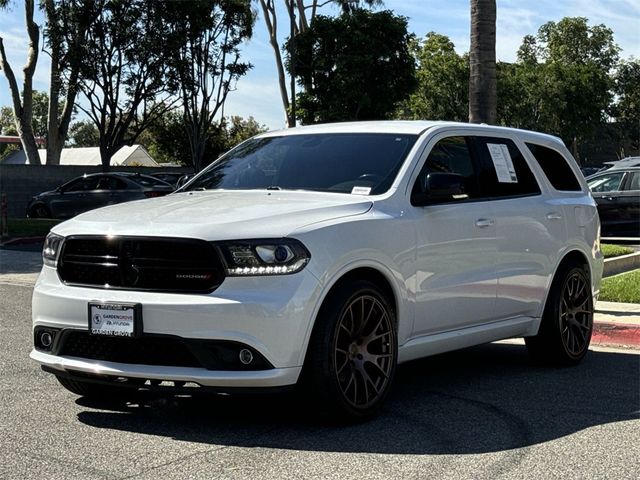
pixel 483 413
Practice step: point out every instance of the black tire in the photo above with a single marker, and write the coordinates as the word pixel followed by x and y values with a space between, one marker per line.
pixel 39 211
pixel 567 321
pixel 352 354
pixel 96 391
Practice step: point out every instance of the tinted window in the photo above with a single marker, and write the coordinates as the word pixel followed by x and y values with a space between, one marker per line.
pixel 450 155
pixel 324 162
pixel 555 167
pixel 505 172
pixel 608 182
pixel 82 184
pixel 147 181
pixel 634 184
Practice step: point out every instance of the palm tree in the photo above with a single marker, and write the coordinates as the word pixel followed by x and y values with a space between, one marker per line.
pixel 482 62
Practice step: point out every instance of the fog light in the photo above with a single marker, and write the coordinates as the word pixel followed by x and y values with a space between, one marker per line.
pixel 246 357
pixel 46 339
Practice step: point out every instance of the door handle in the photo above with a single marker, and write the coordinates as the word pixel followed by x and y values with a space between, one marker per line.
pixel 554 216
pixel 484 222
pixel 608 198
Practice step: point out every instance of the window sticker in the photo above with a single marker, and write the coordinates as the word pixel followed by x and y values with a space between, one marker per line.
pixel 361 191
pixel 502 162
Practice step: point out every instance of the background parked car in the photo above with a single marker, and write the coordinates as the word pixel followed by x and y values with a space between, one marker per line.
pixel 93 191
pixel 184 179
pixel 169 177
pixel 617 193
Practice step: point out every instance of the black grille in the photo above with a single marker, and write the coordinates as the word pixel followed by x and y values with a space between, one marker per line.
pixel 141 263
pixel 165 350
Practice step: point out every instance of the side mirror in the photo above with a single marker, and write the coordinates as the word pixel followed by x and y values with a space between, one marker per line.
pixel 438 188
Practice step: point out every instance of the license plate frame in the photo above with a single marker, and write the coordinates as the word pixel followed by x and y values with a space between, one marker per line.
pixel 114 319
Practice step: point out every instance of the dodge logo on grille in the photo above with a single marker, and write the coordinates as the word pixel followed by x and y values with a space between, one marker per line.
pixel 193 276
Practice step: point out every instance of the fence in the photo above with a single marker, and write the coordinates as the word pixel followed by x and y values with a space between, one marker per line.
pixel 21 182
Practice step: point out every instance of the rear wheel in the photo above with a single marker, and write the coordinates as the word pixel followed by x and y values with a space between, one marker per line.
pixel 39 211
pixel 567 322
pixel 353 352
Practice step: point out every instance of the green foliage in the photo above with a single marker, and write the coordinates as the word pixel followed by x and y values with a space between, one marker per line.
pixel 39 120
pixel 614 250
pixel 627 107
pixel 561 83
pixel 442 81
pixel 83 134
pixel 167 142
pixel 353 67
pixel 621 288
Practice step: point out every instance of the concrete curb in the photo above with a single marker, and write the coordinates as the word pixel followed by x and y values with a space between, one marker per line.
pixel 623 263
pixel 616 334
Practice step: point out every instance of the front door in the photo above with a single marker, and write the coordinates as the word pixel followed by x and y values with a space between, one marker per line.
pixel 456 246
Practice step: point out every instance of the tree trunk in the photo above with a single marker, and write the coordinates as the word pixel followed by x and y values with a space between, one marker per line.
pixel 23 108
pixel 54 145
pixel 482 62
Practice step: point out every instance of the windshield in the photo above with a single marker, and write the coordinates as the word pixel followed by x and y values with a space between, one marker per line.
pixel 363 163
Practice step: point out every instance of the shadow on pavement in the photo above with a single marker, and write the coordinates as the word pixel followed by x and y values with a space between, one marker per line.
pixel 21 261
pixel 484 399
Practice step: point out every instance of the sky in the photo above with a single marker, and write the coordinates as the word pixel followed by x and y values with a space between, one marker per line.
pixel 257 93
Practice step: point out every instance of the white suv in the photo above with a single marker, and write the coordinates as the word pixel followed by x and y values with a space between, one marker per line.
pixel 324 256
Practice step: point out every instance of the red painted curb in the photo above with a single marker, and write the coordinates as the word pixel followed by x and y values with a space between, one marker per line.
pixel 607 333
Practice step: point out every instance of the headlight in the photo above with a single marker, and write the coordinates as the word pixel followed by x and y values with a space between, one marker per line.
pixel 264 257
pixel 51 250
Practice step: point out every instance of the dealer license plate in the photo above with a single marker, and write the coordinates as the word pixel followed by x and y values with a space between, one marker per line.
pixel 114 319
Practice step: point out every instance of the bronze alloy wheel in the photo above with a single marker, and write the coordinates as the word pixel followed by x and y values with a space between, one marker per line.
pixel 576 313
pixel 364 351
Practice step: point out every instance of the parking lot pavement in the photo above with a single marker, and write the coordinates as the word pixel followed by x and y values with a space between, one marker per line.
pixel 481 413
pixel 20 267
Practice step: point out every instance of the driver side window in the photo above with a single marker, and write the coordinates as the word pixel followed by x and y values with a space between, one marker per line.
pixel 607 183
pixel 449 155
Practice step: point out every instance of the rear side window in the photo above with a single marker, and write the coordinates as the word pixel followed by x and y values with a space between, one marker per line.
pixel 555 167
pixel 608 182
pixel 634 184
pixel 505 172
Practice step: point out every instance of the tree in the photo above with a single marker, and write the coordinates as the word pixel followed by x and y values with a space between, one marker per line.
pixel 563 78
pixel 68 23
pixel 626 110
pixel 301 15
pixel 482 62
pixel 23 104
pixel 204 59
pixel 122 76
pixel 83 134
pixel 442 81
pixel 353 67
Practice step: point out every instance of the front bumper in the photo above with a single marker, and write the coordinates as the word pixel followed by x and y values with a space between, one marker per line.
pixel 271 314
pixel 233 379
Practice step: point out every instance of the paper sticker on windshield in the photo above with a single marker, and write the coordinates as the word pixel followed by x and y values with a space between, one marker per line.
pixel 361 191
pixel 502 162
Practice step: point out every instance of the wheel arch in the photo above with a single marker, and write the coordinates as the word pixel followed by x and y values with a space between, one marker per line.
pixel 570 257
pixel 374 273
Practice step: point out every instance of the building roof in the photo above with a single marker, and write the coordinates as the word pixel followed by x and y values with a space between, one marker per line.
pixel 134 155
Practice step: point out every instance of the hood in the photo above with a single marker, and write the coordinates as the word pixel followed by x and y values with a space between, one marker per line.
pixel 217 215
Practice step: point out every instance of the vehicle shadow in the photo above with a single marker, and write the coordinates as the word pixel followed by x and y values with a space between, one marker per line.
pixel 484 399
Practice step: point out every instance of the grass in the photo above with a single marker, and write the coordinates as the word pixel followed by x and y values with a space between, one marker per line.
pixel 30 227
pixel 610 251
pixel 621 288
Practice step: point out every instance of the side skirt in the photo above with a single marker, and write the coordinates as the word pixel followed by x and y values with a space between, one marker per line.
pixel 427 345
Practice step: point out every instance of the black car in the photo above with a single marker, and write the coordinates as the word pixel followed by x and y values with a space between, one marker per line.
pixel 169 177
pixel 617 193
pixel 93 191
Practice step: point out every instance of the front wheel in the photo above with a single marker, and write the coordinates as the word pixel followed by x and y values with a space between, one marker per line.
pixel 353 352
pixel 567 321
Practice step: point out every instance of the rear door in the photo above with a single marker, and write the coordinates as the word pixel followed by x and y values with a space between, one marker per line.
pixel 630 205
pixel 607 191
pixel 529 226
